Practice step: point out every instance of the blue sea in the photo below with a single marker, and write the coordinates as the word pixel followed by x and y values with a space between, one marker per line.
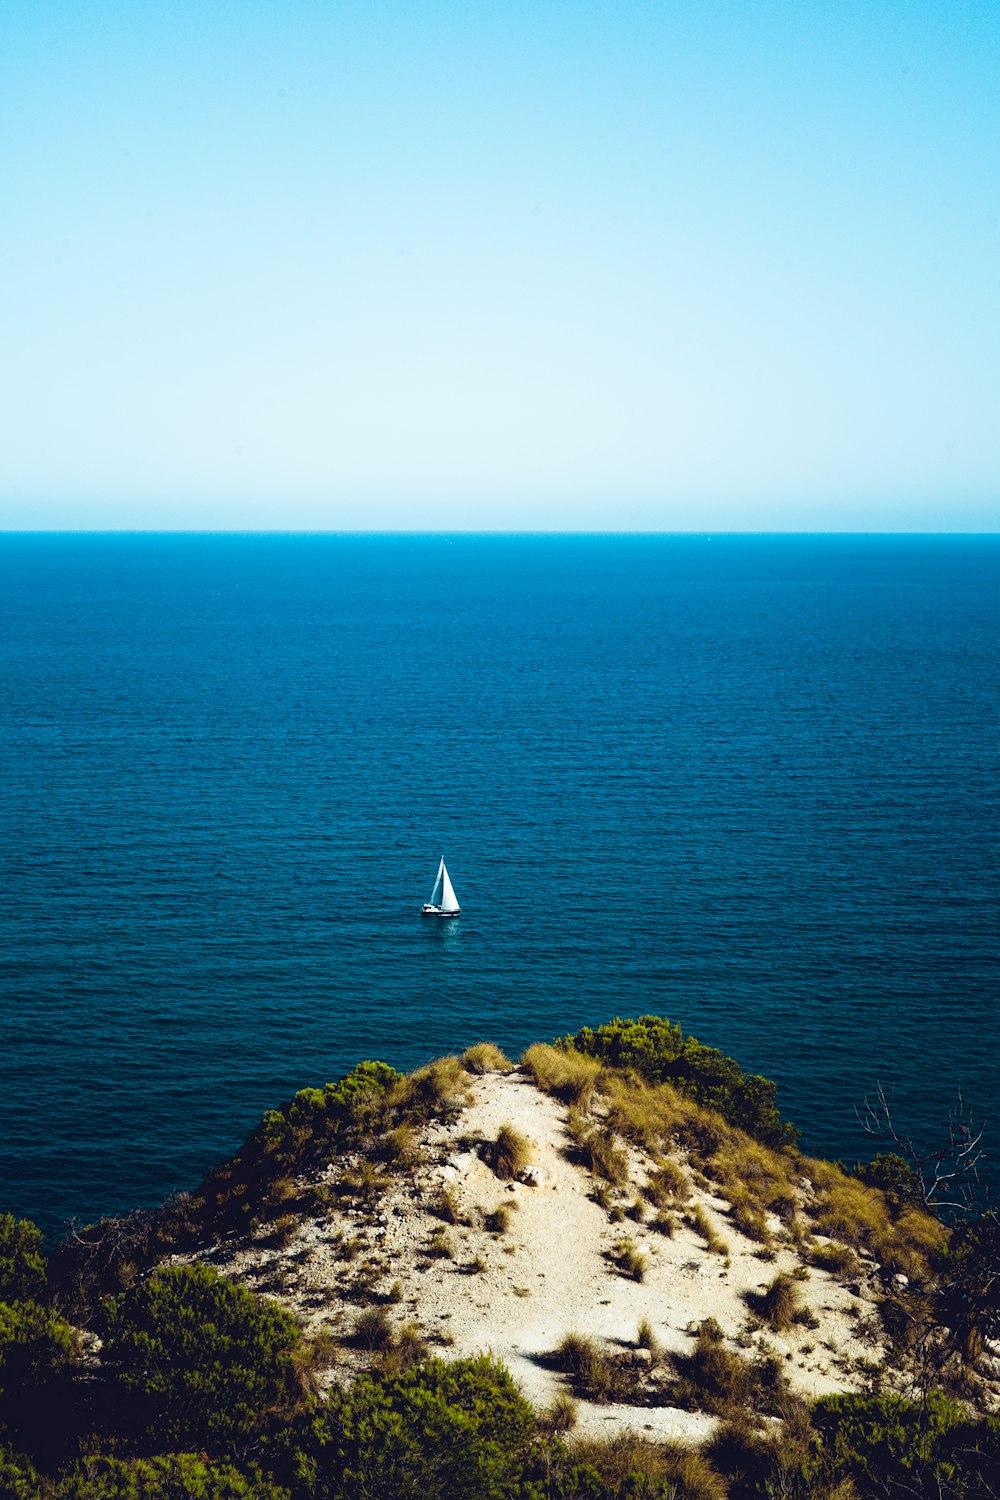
pixel 748 782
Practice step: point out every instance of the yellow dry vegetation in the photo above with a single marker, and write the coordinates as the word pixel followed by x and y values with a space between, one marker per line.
pixel 611 1104
pixel 566 1075
pixel 859 1216
pixel 485 1057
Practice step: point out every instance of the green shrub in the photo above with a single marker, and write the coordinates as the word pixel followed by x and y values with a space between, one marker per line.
pixel 890 1446
pixel 34 1344
pixel 18 1478
pixel 22 1261
pixel 892 1175
pixel 440 1431
pixel 179 1476
pixel 196 1359
pixel 657 1048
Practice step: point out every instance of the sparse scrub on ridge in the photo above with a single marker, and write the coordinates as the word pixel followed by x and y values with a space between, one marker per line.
pixel 602 1195
pixel 497 1220
pixel 439 1087
pixel 510 1153
pixel 439 1246
pixel 741 1168
pixel 445 1207
pixel 664 1222
pixel 658 1049
pixel 560 1416
pixel 373 1328
pixel 365 1181
pixel 697 1219
pixel 406 1348
pixel 630 1260
pixel 646 1339
pixel 282 1231
pixel 840 1260
pixel 604 1156
pixel 748 1219
pixel 667 1184
pixel 486 1057
pixel 778 1303
pixel 630 1465
pixel 562 1074
pixel 400 1148
pixel 593 1372
pixel 720 1380
pixel 859 1216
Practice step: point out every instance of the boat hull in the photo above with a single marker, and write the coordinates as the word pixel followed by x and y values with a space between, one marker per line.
pixel 435 911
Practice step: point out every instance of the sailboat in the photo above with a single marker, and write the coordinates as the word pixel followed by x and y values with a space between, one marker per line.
pixel 443 902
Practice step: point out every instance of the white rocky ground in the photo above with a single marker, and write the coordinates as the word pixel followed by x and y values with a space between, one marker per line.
pixel 517 1294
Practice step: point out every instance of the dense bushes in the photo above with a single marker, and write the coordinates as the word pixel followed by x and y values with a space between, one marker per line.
pixel 22 1261
pixel 35 1344
pixel 658 1049
pixel 197 1360
pixel 458 1431
pixel 890 1446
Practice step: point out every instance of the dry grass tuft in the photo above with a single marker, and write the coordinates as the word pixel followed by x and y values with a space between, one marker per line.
pixel 778 1304
pixel 445 1207
pixel 373 1329
pixel 593 1373
pixel 486 1057
pixel 497 1221
pixel 697 1219
pixel 668 1469
pixel 439 1088
pixel 749 1219
pixel 644 1114
pixel 510 1154
pixel 439 1246
pixel 400 1148
pixel 668 1184
pixel 839 1260
pixel 646 1338
pixel 560 1416
pixel 603 1155
pixel 629 1260
pixel 568 1076
pixel 860 1217
pixel 406 1348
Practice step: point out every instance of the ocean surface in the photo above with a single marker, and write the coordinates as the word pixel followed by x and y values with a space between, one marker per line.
pixel 748 782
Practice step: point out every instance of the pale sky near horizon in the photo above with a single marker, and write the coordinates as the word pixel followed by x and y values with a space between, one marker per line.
pixel 588 265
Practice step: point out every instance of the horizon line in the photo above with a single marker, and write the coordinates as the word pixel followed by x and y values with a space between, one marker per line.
pixel 340 531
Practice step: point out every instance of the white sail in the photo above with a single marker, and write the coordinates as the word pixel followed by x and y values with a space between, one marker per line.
pixel 448 900
pixel 436 892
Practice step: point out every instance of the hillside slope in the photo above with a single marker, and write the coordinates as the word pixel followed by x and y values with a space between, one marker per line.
pixel 470 1262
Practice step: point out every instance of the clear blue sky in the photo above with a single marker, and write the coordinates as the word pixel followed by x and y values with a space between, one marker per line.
pixel 354 263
